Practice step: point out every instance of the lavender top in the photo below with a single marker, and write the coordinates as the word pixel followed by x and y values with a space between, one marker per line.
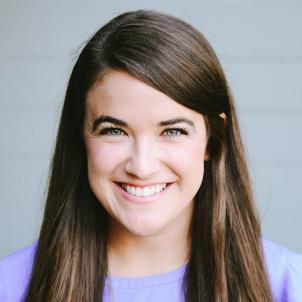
pixel 284 268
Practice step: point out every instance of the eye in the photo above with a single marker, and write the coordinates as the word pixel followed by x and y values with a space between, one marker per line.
pixel 112 131
pixel 174 132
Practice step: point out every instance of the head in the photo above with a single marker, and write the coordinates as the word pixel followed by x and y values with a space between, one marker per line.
pixel 158 150
pixel 144 68
pixel 165 69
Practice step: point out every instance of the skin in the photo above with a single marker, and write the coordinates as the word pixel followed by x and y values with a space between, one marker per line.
pixel 147 237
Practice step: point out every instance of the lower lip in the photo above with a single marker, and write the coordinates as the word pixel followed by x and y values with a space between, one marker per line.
pixel 141 199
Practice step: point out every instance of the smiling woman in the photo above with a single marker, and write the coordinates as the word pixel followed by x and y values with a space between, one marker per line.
pixel 143 155
pixel 149 196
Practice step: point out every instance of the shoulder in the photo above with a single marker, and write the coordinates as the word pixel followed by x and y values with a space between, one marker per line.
pixel 285 271
pixel 15 272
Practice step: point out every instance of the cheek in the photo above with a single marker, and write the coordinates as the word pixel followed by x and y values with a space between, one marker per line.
pixel 102 158
pixel 188 163
pixel 188 159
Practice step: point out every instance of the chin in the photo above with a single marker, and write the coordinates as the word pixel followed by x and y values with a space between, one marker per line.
pixel 144 230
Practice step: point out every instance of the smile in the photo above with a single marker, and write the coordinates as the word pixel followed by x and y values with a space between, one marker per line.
pixel 145 191
pixel 143 194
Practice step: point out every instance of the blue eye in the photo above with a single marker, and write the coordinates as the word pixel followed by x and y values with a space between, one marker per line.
pixel 111 131
pixel 170 132
pixel 174 132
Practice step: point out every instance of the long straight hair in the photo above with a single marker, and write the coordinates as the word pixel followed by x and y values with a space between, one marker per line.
pixel 226 258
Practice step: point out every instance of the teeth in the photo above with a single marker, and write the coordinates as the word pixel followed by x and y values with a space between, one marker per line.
pixel 146 191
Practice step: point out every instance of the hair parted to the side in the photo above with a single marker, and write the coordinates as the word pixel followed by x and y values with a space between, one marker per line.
pixel 226 260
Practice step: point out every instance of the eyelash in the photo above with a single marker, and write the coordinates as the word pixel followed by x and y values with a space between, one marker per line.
pixel 108 130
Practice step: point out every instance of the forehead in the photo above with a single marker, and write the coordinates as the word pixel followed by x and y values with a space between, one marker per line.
pixel 123 96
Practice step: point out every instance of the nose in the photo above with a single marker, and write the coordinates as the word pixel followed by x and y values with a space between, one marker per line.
pixel 143 161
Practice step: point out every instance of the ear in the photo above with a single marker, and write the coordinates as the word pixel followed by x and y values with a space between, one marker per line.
pixel 206 156
pixel 223 116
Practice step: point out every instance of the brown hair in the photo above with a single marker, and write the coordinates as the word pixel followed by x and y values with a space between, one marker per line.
pixel 226 259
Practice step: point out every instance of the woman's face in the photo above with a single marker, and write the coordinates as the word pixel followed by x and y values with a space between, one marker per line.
pixel 145 154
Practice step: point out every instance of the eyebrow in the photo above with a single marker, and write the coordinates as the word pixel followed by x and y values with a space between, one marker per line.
pixel 109 119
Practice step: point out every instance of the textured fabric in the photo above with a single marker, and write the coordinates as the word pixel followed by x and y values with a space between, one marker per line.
pixel 284 268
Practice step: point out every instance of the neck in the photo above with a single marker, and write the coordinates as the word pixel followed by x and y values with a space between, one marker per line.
pixel 135 256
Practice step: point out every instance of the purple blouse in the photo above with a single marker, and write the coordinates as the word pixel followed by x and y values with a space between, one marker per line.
pixel 284 268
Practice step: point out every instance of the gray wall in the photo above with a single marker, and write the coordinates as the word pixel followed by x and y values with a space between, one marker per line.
pixel 260 46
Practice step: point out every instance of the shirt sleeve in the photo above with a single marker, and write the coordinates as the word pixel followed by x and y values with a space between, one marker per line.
pixel 292 290
pixel 15 272
pixel 3 294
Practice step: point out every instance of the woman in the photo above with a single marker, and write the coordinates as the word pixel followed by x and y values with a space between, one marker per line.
pixel 149 196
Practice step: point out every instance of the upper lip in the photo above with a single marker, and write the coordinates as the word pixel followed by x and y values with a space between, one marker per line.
pixel 143 185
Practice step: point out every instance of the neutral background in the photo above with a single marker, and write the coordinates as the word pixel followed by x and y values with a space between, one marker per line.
pixel 259 44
